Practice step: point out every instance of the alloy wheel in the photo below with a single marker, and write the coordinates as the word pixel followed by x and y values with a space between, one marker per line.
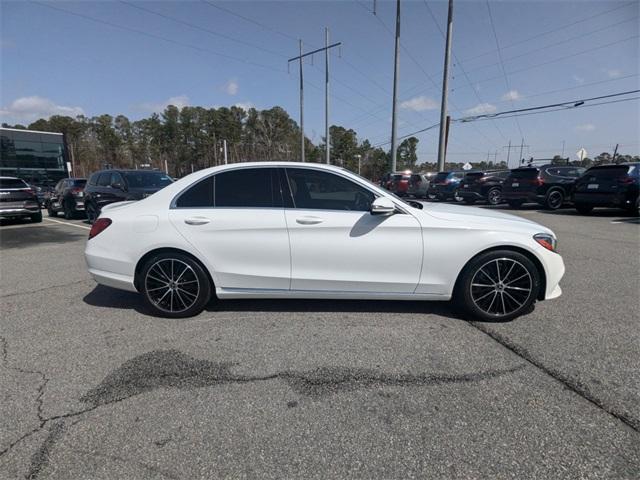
pixel 501 287
pixel 172 285
pixel 554 200
pixel 494 197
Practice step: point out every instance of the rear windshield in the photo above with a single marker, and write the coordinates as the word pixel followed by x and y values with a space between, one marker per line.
pixel 524 173
pixel 474 175
pixel 147 179
pixel 441 177
pixel 79 182
pixel 608 172
pixel 12 183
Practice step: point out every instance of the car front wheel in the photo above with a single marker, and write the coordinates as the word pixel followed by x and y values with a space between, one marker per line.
pixel 498 286
pixel 554 200
pixel 174 285
pixel 494 196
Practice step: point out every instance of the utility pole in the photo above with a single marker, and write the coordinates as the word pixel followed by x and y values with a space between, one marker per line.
pixel 301 107
pixel 562 148
pixel 509 147
pixel 300 57
pixel 508 152
pixel 445 81
pixel 615 152
pixel 224 146
pixel 326 97
pixel 394 113
pixel 521 147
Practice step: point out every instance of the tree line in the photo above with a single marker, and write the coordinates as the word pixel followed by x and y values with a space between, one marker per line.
pixel 185 139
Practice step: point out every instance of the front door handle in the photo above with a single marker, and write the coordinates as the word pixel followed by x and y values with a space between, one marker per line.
pixel 196 220
pixel 309 220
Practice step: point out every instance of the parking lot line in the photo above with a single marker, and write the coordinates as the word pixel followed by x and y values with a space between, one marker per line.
pixel 68 223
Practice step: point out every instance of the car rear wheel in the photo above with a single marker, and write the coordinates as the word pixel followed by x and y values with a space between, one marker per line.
pixel 50 211
pixel 494 196
pixel 36 217
pixel 554 199
pixel 498 286
pixel 92 213
pixel 583 209
pixel 174 285
pixel 515 203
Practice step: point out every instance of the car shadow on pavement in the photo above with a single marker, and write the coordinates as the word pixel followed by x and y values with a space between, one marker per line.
pixel 107 297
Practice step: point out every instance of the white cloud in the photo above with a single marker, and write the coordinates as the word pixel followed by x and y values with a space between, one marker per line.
pixel 245 105
pixel 33 108
pixel 178 101
pixel 578 79
pixel 511 95
pixel 587 127
pixel 481 108
pixel 614 73
pixel 419 104
pixel 231 87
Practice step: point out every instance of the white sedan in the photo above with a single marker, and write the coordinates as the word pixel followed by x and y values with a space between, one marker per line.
pixel 302 230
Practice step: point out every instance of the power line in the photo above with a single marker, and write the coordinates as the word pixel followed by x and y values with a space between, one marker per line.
pixel 202 29
pixel 158 37
pixel 506 78
pixel 554 30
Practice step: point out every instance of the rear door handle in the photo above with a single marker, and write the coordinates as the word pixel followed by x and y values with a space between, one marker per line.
pixel 309 220
pixel 196 220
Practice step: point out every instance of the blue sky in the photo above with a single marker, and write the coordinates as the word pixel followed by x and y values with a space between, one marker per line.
pixel 54 62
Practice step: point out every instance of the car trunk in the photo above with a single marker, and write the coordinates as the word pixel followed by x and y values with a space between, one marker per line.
pixel 606 179
pixel 471 181
pixel 521 180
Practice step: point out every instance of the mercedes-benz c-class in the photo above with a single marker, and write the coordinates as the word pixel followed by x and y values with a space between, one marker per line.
pixel 302 230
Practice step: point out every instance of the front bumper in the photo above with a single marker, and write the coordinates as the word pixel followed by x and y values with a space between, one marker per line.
pixel 554 271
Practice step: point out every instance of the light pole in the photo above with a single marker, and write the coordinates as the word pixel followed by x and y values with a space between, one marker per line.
pixel 359 157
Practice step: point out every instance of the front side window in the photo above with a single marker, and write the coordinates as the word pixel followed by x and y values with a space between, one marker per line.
pixel 319 190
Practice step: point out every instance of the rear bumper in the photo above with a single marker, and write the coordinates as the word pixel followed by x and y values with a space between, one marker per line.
pixel 605 199
pixel 115 280
pixel 18 211
pixel 441 190
pixel 524 196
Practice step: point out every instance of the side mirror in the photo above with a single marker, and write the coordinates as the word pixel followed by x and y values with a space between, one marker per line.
pixel 117 186
pixel 382 206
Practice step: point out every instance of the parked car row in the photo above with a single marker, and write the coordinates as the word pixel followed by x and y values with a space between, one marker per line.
pixel 550 186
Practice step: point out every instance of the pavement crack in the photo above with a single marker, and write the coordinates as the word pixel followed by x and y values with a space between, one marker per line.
pixel 572 384
pixel 40 457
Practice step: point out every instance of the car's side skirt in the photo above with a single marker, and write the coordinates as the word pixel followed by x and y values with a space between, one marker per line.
pixel 324 294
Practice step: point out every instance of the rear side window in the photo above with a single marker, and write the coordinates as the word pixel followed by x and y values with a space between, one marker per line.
pixel 569 172
pixel 198 196
pixel 247 187
pixel 524 173
pixel 104 180
pixel 12 183
pixel 607 173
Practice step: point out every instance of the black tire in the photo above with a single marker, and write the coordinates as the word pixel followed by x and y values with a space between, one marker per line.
pixel 50 211
pixel 92 212
pixel 517 286
pixel 68 211
pixel 456 196
pixel 554 199
pixel 515 203
pixel 583 208
pixel 164 296
pixel 37 217
pixel 494 196
pixel 469 201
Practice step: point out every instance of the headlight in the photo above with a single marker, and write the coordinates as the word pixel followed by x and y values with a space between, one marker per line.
pixel 547 241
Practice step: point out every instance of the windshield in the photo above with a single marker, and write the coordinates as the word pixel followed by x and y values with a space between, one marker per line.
pixel 12 183
pixel 80 182
pixel 147 179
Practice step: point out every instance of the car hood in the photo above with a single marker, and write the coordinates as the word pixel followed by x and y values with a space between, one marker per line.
pixel 473 216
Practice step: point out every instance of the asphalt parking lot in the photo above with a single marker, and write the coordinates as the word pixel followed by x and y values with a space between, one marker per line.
pixel 94 387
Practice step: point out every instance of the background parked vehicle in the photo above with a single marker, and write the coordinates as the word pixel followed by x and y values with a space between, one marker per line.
pixel 109 186
pixel 67 197
pixel 419 184
pixel 18 200
pixel 445 186
pixel 549 185
pixel 608 186
pixel 483 186
pixel 397 182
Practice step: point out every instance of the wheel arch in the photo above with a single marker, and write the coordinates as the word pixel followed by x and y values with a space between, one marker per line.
pixel 513 248
pixel 159 250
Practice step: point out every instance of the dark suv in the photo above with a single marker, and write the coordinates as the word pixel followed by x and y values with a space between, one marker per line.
pixel 67 197
pixel 109 186
pixel 445 185
pixel 608 186
pixel 18 200
pixel 548 185
pixel 485 186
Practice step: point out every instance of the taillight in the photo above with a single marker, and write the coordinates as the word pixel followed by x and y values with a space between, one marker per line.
pixel 626 180
pixel 98 226
pixel 538 181
pixel 76 190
